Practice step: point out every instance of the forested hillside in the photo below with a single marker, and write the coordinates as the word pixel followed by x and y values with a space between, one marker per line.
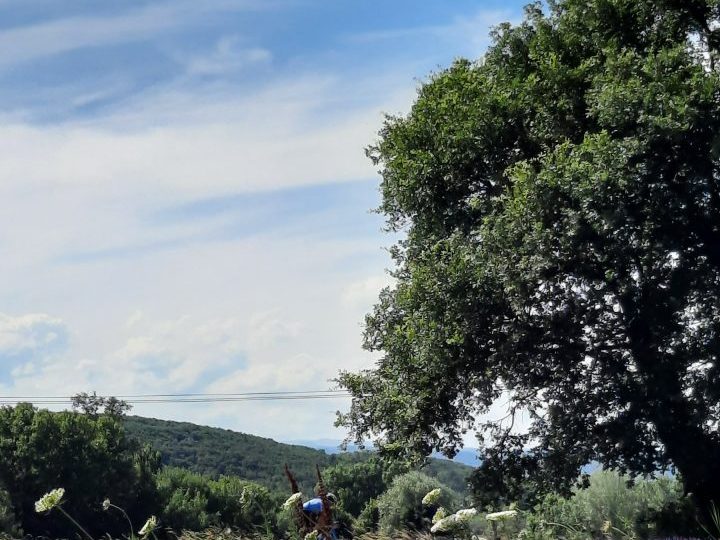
pixel 215 452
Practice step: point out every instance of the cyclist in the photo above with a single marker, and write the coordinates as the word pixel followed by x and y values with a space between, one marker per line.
pixel 313 509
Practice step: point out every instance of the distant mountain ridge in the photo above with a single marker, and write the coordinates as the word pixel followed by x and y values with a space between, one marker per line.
pixel 466 456
pixel 216 451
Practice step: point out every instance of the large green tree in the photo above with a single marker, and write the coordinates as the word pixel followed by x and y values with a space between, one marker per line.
pixel 559 204
pixel 89 456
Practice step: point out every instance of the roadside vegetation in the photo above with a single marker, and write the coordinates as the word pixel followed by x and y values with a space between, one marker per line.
pixel 71 474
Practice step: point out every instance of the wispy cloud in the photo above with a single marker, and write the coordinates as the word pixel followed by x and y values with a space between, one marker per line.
pixel 34 333
pixel 28 340
pixel 25 43
pixel 472 30
pixel 228 56
pixel 206 228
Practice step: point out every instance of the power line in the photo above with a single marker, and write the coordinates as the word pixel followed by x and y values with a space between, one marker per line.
pixel 200 395
pixel 135 399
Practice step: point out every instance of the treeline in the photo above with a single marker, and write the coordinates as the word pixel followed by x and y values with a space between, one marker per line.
pixel 96 457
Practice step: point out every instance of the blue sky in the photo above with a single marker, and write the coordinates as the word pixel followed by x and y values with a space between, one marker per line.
pixel 184 196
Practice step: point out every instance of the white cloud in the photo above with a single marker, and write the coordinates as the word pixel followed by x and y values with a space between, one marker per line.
pixel 254 351
pixel 266 328
pixel 364 293
pixel 159 308
pixel 22 44
pixel 270 310
pixel 35 334
pixel 228 56
pixel 85 188
pixel 221 144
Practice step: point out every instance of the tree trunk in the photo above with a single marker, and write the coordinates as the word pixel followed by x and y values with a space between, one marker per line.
pixel 693 451
pixel 697 458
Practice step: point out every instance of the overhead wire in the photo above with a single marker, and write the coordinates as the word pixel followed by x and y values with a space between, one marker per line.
pixel 133 399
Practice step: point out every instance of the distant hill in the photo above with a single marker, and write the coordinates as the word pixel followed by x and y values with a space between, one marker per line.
pixel 215 451
pixel 466 456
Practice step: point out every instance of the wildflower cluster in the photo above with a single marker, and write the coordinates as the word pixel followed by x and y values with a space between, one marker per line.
pixel 292 501
pixel 465 515
pixel 501 516
pixel 454 521
pixel 50 500
pixel 432 497
pixel 149 527
pixel 440 514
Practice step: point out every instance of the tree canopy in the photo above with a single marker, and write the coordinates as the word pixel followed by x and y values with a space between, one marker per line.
pixel 559 206
pixel 89 456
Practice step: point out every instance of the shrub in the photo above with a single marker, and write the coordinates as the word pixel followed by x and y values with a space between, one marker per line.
pixel 242 504
pixel 400 507
pixel 7 515
pixel 193 502
pixel 356 483
pixel 611 508
pixel 367 521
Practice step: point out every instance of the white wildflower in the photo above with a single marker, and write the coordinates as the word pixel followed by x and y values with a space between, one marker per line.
pixel 106 504
pixel 501 516
pixel 444 525
pixel 440 514
pixel 465 515
pixel 432 497
pixel 312 535
pixel 50 500
pixel 149 527
pixel 292 501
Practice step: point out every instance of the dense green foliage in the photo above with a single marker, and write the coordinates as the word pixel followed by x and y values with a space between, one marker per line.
pixel 610 507
pixel 400 507
pixel 356 483
pixel 195 502
pixel 90 457
pixel 359 481
pixel 215 452
pixel 7 514
pixel 560 204
pixel 369 519
pixel 95 456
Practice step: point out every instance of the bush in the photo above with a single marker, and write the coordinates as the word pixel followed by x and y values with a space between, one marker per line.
pixel 244 505
pixel 184 500
pixel 7 515
pixel 367 521
pixel 611 508
pixel 192 502
pixel 400 507
pixel 356 483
